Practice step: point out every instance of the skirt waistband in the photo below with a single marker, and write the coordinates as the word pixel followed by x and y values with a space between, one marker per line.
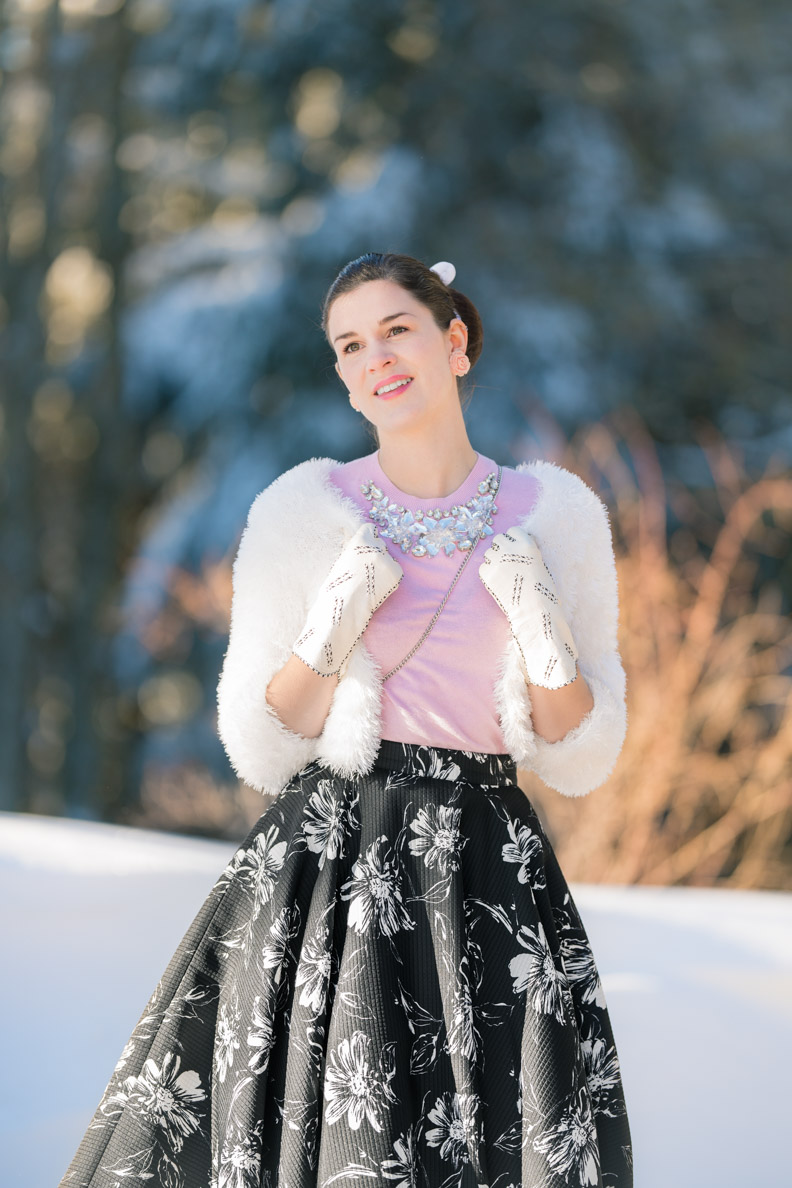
pixel 446 763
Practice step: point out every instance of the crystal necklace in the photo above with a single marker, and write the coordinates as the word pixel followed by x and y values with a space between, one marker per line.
pixel 422 532
pixel 457 576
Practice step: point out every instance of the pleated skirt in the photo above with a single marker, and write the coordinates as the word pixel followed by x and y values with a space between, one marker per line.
pixel 389 983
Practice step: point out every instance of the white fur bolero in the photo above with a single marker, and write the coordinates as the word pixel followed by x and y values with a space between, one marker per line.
pixel 296 528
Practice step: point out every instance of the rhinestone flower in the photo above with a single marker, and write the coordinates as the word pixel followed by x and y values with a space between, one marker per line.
pixel 422 533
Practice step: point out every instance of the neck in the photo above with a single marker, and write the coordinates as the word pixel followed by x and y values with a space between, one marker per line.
pixel 428 467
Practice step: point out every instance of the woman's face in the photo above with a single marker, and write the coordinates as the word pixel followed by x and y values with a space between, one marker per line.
pixel 382 336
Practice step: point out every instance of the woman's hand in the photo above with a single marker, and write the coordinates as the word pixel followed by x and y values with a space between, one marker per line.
pixel 516 576
pixel 363 576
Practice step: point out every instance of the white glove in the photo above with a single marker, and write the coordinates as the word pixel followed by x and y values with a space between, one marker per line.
pixel 516 576
pixel 363 576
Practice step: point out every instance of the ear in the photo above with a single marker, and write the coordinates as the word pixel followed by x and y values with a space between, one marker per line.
pixel 338 369
pixel 458 334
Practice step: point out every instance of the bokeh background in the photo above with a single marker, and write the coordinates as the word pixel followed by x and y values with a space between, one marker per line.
pixel 180 181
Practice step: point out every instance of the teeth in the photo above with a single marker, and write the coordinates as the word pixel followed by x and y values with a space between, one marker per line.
pixel 390 387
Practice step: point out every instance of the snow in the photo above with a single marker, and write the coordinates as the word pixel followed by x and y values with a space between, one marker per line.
pixel 698 983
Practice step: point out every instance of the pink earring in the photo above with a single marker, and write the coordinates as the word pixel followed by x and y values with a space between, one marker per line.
pixel 461 363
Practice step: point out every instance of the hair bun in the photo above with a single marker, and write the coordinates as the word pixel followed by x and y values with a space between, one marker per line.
pixel 444 270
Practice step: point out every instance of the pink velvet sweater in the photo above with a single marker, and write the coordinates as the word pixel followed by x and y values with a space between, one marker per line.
pixel 443 696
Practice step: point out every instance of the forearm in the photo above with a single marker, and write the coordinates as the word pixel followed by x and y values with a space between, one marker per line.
pixel 554 712
pixel 301 697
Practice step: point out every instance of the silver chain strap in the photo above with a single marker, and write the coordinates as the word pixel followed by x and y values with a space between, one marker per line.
pixel 457 576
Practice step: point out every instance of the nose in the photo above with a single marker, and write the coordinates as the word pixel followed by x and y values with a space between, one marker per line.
pixel 380 355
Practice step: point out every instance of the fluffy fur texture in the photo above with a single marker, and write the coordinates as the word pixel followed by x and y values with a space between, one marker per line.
pixel 295 530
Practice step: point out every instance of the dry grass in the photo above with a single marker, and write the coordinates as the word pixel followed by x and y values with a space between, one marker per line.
pixel 186 799
pixel 702 792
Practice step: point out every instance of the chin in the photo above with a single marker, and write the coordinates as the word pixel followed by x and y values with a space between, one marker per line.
pixel 399 418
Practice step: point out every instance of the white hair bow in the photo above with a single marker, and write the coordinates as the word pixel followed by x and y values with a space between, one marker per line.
pixel 444 270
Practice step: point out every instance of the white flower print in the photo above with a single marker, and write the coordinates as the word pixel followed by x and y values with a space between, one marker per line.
pixel 191 1004
pixel 375 892
pixel 303 1116
pixel 226 1035
pixel 433 765
pixel 123 1059
pixel 313 971
pixel 261 864
pixel 398 779
pixel 581 970
pixel 231 868
pixel 261 1035
pixel 353 1086
pixel 512 1137
pixel 275 953
pixel 454 1116
pixel 525 848
pixel 438 840
pixel 603 1075
pixel 403 1169
pixel 425 1027
pixel 463 1035
pixel 425 762
pixel 327 821
pixel 312 953
pixel 535 971
pixel 240 1157
pixel 571 1147
pixel 163 1097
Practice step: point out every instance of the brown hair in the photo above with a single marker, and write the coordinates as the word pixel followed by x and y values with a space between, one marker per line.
pixel 417 278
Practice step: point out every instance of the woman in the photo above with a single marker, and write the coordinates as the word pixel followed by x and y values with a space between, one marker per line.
pixel 390 982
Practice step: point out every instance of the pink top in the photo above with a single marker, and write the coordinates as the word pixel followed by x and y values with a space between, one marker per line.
pixel 443 696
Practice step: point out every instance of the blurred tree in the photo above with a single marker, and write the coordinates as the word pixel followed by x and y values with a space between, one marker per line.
pixel 69 479
pixel 180 183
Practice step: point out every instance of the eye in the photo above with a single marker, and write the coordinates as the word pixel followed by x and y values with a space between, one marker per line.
pixel 349 345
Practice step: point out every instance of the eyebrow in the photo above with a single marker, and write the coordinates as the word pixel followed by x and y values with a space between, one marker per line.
pixel 405 313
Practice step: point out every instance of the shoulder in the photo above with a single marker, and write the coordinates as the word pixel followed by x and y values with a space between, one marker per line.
pixel 564 495
pixel 303 509
pixel 305 481
pixel 295 529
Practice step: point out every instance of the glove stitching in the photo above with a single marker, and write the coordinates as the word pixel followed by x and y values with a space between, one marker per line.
pixel 357 639
pixel 522 653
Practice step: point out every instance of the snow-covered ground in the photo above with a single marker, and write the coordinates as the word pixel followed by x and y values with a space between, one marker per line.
pixel 698 982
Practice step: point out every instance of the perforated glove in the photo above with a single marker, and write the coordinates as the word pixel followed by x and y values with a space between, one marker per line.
pixel 516 576
pixel 363 576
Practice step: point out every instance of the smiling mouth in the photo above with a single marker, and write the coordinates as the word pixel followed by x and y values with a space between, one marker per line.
pixel 393 389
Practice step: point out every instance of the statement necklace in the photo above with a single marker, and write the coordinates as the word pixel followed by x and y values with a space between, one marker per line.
pixel 422 532
pixel 468 554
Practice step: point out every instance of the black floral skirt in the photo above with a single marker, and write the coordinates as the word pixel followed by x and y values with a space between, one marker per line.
pixel 388 984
